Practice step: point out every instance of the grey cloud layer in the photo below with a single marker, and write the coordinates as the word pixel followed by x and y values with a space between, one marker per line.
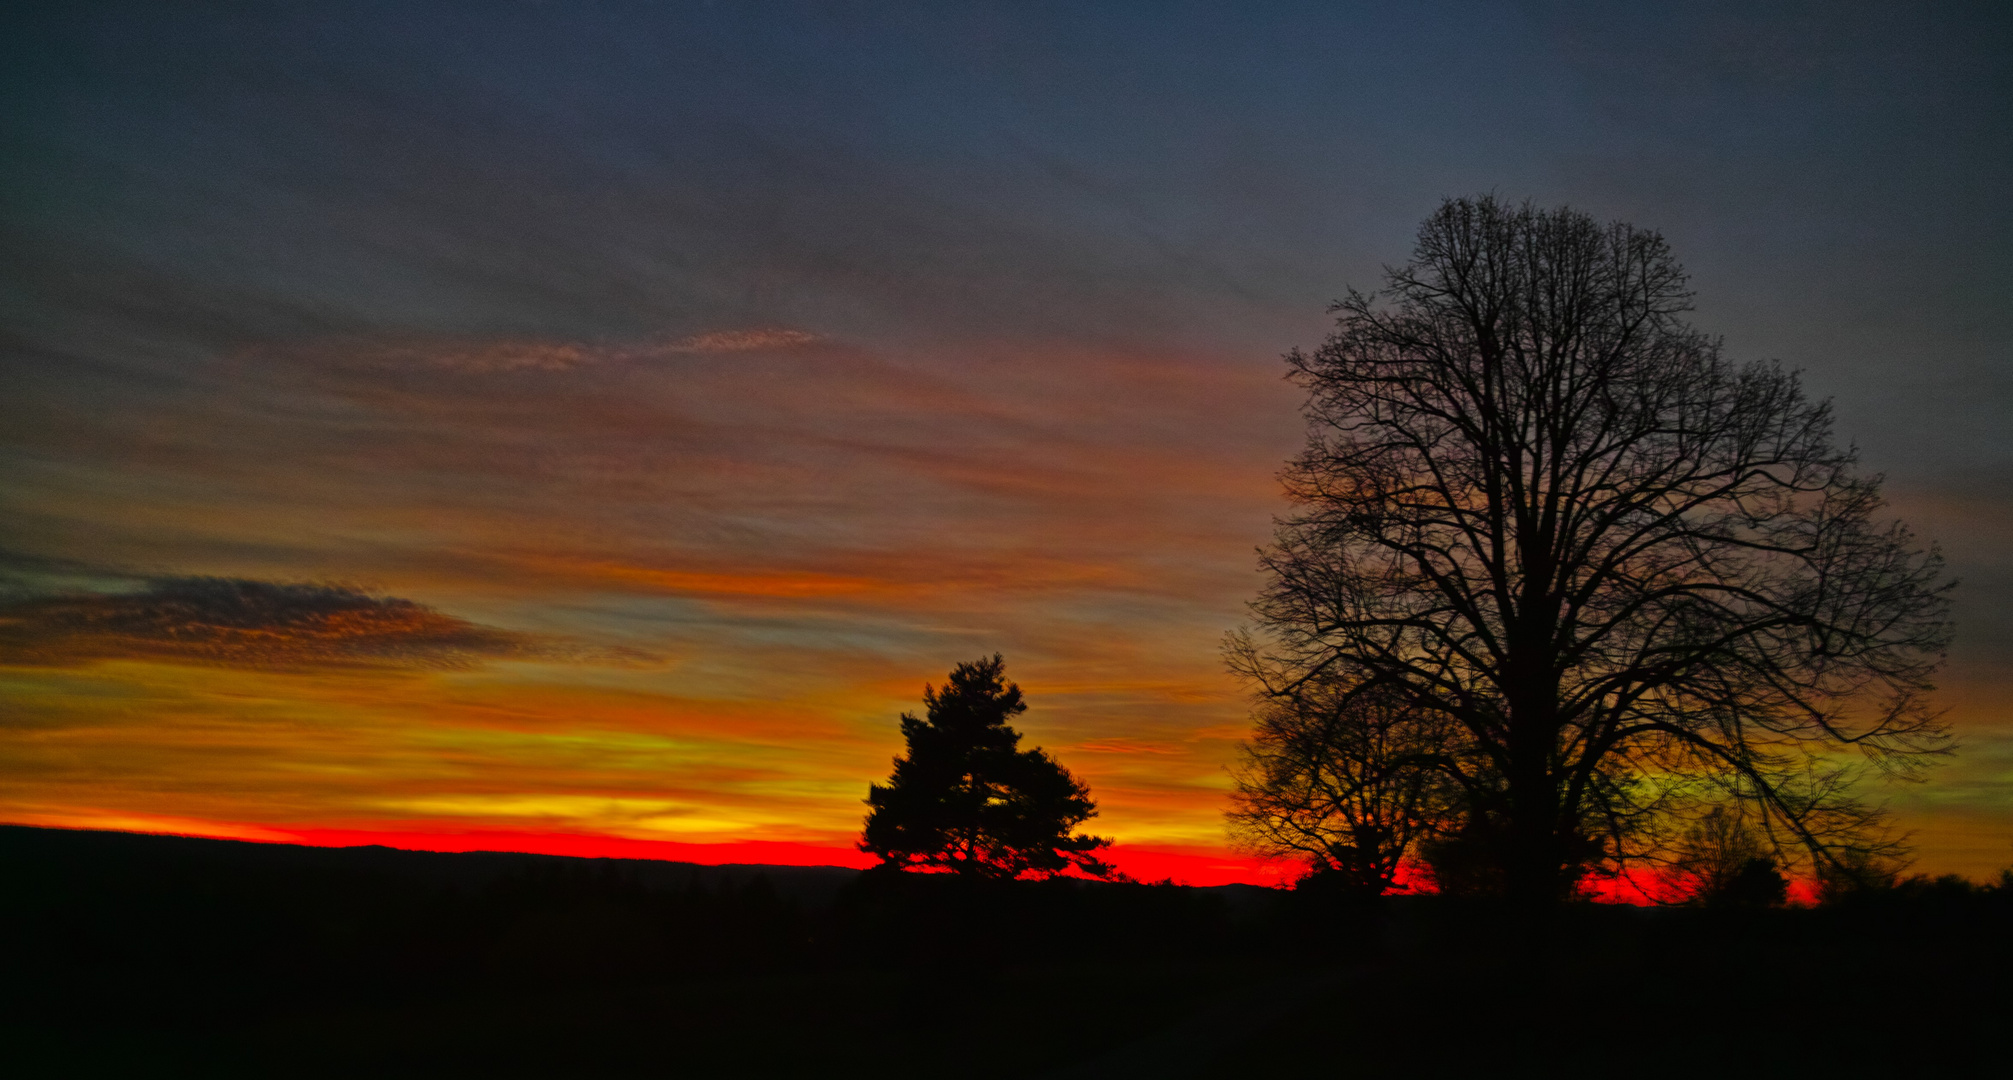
pixel 231 622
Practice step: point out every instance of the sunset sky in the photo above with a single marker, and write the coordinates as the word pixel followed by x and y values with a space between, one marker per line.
pixel 586 426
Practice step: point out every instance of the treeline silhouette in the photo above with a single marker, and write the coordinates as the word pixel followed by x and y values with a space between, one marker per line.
pixel 122 951
pixel 326 917
pixel 131 955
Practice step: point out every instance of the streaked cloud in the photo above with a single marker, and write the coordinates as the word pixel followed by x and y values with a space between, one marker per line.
pixel 733 341
pixel 484 356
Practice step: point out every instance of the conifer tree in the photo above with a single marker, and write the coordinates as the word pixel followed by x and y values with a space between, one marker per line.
pixel 968 800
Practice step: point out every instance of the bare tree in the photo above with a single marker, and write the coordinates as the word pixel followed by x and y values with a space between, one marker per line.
pixel 1332 778
pixel 1720 861
pixel 1632 576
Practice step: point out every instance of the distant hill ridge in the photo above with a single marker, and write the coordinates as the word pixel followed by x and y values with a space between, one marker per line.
pixel 100 853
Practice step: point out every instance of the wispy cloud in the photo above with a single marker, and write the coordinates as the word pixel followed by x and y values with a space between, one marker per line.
pixel 732 341
pixel 499 355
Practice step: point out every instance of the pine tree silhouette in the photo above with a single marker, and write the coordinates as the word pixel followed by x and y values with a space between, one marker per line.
pixel 967 799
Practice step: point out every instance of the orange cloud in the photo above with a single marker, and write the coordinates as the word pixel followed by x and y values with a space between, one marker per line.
pixel 749 584
pixel 914 579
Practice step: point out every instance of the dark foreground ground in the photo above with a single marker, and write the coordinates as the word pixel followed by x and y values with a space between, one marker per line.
pixel 150 956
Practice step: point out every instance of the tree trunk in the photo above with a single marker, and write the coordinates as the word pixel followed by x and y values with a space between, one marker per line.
pixel 1532 857
pixel 1532 862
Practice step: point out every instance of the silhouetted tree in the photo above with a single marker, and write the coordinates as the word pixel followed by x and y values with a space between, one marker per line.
pixel 1858 872
pixel 967 799
pixel 1633 577
pixel 1330 777
pixel 1720 861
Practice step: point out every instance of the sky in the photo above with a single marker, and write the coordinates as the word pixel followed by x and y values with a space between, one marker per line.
pixel 586 427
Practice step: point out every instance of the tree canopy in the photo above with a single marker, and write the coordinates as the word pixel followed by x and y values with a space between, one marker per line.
pixel 1557 563
pixel 966 799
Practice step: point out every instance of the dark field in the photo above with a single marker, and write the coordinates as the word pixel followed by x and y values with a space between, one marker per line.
pixel 151 956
